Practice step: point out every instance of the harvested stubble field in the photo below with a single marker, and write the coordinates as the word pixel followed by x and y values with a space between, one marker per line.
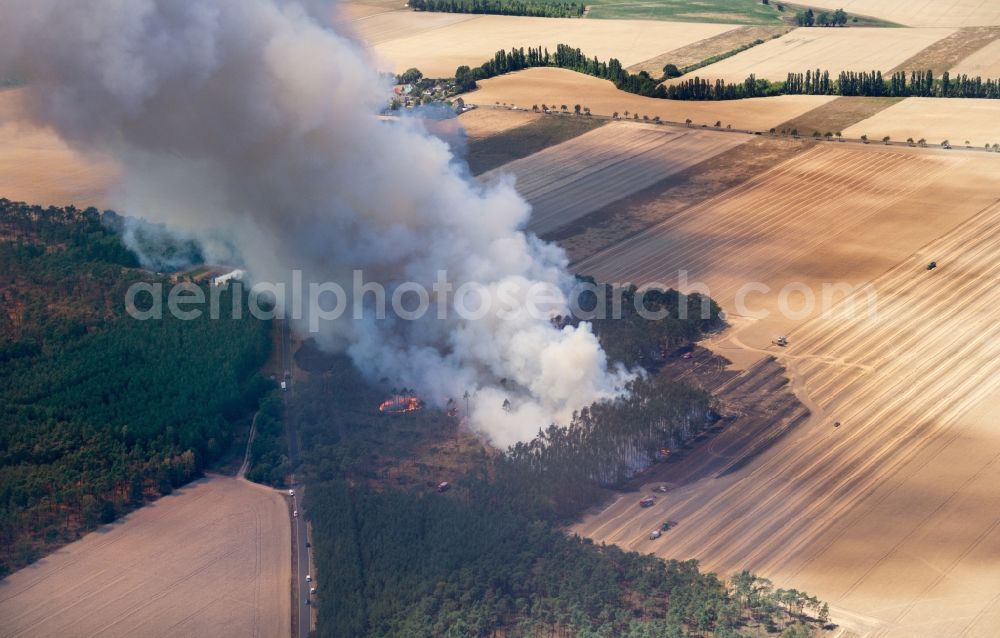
pixel 837 115
pixel 891 515
pixel 646 208
pixel 946 13
pixel 486 153
pixel 212 559
pixel 560 86
pixel 384 26
pixel 833 50
pixel 437 46
pixel 947 52
pixel 985 62
pixel 37 166
pixel 936 120
pixel 703 49
pixel 356 9
pixel 570 180
pixel 486 122
pixel 834 214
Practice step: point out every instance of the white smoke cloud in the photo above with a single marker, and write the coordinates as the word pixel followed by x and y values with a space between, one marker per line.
pixel 250 117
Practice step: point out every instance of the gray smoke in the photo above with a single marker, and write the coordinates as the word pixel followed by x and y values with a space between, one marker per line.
pixel 250 120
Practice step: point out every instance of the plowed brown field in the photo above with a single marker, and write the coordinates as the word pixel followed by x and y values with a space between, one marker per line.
pixel 567 181
pixel 212 559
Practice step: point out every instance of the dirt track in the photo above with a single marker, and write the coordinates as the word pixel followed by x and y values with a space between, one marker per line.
pixel 212 559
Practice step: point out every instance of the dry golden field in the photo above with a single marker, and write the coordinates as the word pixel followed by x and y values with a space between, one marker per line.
pixel 356 9
pixel 892 515
pixel 384 26
pixel 704 49
pixel 823 216
pixel 212 559
pixel 985 62
pixel 481 123
pixel 553 86
pixel 36 166
pixel 437 43
pixel 566 182
pixel 947 13
pixel 936 120
pixel 832 50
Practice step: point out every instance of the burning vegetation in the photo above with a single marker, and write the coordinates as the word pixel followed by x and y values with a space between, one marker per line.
pixel 399 404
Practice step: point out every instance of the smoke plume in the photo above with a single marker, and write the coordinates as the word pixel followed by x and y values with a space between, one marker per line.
pixel 251 120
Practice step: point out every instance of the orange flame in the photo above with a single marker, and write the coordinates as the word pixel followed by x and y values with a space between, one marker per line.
pixel 399 405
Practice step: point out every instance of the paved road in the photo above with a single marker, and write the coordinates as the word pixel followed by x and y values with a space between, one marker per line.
pixel 300 536
pixel 302 560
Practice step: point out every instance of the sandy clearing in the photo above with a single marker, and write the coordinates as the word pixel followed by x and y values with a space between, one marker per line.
pixel 561 86
pixel 935 119
pixel 36 166
pixel 437 46
pixel 923 13
pixel 833 50
pixel 985 62
pixel 212 559
pixel 892 517
pixel 566 182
